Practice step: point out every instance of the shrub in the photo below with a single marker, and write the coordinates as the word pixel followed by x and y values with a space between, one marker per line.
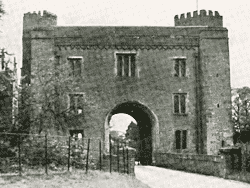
pixel 33 153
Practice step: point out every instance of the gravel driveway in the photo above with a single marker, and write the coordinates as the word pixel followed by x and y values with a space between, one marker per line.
pixel 156 177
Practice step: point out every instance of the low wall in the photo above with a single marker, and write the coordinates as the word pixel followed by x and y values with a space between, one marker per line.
pixel 237 163
pixel 202 164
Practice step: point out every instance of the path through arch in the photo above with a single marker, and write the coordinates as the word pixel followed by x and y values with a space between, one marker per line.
pixel 147 123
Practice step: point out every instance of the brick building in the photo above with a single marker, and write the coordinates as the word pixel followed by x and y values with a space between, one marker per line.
pixel 174 81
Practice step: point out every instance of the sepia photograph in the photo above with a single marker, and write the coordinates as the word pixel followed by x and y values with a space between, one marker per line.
pixel 132 94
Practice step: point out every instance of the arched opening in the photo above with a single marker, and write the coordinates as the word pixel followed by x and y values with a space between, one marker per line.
pixel 147 124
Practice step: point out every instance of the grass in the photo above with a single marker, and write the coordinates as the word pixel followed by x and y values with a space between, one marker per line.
pixel 74 179
pixel 240 176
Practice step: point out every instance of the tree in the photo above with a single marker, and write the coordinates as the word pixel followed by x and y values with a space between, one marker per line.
pixel 7 80
pixel 2 11
pixel 116 134
pixel 133 136
pixel 8 94
pixel 240 114
pixel 48 103
pixel 132 133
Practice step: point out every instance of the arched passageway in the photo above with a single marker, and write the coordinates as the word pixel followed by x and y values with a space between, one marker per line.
pixel 147 123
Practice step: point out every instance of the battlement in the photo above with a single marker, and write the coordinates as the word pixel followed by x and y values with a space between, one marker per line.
pixel 35 20
pixel 203 19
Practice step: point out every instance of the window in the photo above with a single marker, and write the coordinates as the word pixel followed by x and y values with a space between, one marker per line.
pixel 180 103
pixel 181 139
pixel 57 60
pixel 57 64
pixel 75 65
pixel 180 67
pixel 126 65
pixel 76 103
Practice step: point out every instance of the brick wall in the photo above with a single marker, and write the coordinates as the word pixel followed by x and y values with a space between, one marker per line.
pixel 153 88
pixel 208 101
pixel 202 18
pixel 215 89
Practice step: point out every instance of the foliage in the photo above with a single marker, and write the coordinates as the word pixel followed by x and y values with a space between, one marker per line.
pixel 7 78
pixel 33 153
pixel 2 11
pixel 132 133
pixel 241 114
pixel 117 135
pixel 44 105
pixel 8 97
pixel 133 137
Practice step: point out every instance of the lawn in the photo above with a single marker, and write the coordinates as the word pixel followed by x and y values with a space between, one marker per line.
pixel 75 179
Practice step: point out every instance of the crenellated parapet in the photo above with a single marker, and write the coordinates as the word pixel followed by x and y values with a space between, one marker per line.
pixel 36 20
pixel 209 19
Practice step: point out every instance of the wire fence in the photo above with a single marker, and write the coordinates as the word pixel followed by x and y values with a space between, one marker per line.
pixel 28 153
pixel 120 155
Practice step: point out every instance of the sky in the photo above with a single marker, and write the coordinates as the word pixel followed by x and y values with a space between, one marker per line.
pixel 120 122
pixel 134 13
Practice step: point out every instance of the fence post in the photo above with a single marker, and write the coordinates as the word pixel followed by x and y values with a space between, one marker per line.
pixel 69 154
pixel 124 165
pixel 118 156
pixel 83 143
pixel 110 156
pixel 100 152
pixel 243 157
pixel 87 162
pixel 19 154
pixel 127 162
pixel 46 154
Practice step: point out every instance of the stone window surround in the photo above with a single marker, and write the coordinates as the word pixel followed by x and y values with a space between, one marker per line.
pixel 186 99
pixel 174 58
pixel 76 58
pixel 187 138
pixel 137 69
pixel 75 93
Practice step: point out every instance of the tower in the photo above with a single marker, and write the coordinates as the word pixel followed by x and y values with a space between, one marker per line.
pixel 35 25
pixel 34 21
pixel 213 80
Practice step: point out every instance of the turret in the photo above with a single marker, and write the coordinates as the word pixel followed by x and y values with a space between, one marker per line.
pixel 35 20
pixel 204 19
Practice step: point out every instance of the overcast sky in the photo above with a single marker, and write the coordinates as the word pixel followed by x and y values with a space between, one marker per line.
pixel 135 13
pixel 120 122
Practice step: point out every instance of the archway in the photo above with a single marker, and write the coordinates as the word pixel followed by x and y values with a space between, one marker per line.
pixel 147 123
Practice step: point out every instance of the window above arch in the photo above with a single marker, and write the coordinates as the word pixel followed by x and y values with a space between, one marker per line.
pixel 126 64
pixel 179 67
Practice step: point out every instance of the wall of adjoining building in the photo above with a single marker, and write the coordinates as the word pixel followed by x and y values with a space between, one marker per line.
pixel 202 164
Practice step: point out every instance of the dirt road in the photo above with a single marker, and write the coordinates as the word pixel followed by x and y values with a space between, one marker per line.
pixel 156 177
